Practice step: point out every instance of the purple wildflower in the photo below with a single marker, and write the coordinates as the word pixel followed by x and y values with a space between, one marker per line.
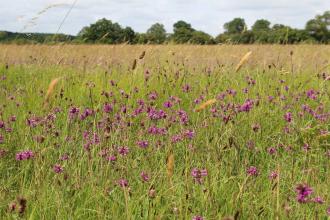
pixel 288 117
pixel 273 175
pixel 168 104
pixel 64 157
pixel 247 106
pixel 252 171
pixel 112 158
pixel 123 150
pixel 318 200
pixel 198 174
pixel 58 168
pixel 73 112
pixel 186 88
pixel 145 177
pixel 123 183
pixel 143 144
pixel 303 191
pixel 189 134
pixel 197 217
pixel 272 150
pixel 24 155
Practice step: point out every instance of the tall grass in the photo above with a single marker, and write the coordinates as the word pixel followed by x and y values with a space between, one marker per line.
pixel 138 148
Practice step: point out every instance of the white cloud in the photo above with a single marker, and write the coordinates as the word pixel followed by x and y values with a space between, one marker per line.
pixel 204 15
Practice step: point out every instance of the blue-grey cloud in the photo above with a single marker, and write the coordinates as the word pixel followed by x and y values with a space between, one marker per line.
pixel 208 16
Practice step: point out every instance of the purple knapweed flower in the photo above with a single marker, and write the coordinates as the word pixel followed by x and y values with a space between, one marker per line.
pixel 58 168
pixel 189 134
pixel 24 155
pixel 303 191
pixel 288 117
pixel 252 171
pixel 168 104
pixel 112 158
pixel 273 175
pixel 246 106
pixel 312 94
pixel 123 183
pixel 198 174
pixel 272 150
pixel 64 157
pixel 176 138
pixel 153 96
pixel 143 144
pixel 124 150
pixel 197 217
pixel 107 108
pixel 145 177
pixel 186 88
pixel 73 112
pixel 318 200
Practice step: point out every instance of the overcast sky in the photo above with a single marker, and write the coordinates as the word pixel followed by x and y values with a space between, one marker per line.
pixel 205 15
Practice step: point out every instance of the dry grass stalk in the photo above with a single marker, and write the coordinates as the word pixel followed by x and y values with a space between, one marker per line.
pixel 244 59
pixel 51 88
pixel 205 104
pixel 142 55
pixel 170 166
pixel 134 64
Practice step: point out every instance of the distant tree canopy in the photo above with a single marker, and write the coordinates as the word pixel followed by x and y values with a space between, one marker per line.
pixel 235 26
pixel 104 31
pixel 319 27
pixel 317 30
pixel 156 34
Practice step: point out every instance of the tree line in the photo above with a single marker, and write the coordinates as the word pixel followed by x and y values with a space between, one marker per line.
pixel 104 31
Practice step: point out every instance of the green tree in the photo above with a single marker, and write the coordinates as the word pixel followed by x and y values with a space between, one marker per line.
pixel 200 37
pixel 319 27
pixel 235 26
pixel 104 31
pixel 183 32
pixel 156 34
pixel 261 25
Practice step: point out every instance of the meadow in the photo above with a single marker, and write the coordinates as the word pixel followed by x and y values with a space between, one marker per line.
pixel 165 132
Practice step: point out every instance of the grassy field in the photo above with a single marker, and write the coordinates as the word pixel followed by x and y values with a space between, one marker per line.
pixel 164 132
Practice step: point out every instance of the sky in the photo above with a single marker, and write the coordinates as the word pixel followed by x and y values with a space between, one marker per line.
pixel 204 15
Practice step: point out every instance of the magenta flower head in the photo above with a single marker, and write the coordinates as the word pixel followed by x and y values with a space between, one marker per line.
pixel 24 155
pixel 273 175
pixel 168 104
pixel 246 106
pixel 143 144
pixel 318 200
pixel 288 117
pixel 122 183
pixel 252 171
pixel 73 112
pixel 189 134
pixel 123 150
pixel 303 191
pixel 197 217
pixel 198 174
pixel 328 211
pixel 186 88
pixel 145 177
pixel 58 168
pixel 272 150
pixel 107 108
pixel 112 158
